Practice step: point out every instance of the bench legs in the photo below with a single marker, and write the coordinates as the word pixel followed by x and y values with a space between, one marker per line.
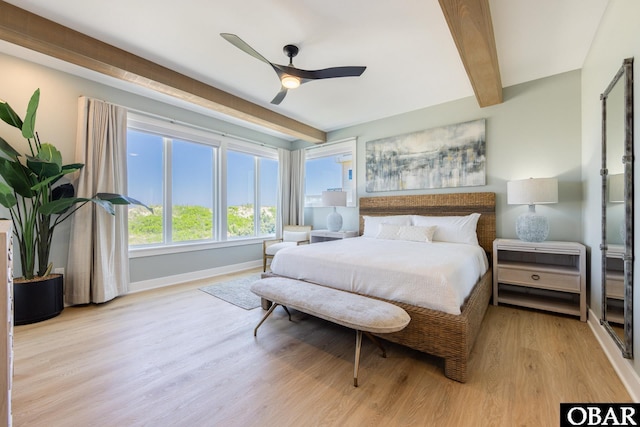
pixel 376 342
pixel 356 363
pixel 273 307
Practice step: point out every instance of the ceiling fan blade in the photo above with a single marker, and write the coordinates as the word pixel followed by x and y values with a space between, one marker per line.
pixel 243 46
pixel 280 96
pixel 326 73
pixel 329 73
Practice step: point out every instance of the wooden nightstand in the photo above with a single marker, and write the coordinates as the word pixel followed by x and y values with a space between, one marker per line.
pixel 318 236
pixel 542 275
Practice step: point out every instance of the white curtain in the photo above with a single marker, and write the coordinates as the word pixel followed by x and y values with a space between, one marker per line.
pixel 98 265
pixel 290 188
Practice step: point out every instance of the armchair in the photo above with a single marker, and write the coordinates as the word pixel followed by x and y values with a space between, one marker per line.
pixel 292 235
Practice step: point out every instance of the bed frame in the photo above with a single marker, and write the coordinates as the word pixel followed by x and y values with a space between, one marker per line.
pixel 434 332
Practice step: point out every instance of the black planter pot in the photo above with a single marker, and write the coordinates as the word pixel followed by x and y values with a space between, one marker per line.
pixel 37 300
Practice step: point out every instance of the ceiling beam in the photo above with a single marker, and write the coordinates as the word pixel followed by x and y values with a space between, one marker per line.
pixel 34 32
pixel 470 25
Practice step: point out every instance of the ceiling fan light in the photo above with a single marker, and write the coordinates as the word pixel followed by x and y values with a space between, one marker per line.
pixel 290 82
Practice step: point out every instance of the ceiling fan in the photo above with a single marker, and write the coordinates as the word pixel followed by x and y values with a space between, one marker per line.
pixel 290 76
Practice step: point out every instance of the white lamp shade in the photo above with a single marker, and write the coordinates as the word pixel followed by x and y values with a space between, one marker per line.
pixel 532 191
pixel 616 188
pixel 334 198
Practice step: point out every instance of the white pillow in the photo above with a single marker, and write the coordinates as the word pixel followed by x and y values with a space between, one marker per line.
pixel 372 223
pixel 387 231
pixel 416 233
pixel 294 236
pixel 406 232
pixel 455 229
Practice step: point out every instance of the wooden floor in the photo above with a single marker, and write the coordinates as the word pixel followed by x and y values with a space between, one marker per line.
pixel 180 357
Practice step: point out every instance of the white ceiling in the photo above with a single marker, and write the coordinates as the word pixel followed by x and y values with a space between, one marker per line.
pixel 411 59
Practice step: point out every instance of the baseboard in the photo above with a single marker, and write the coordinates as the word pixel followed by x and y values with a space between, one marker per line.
pixel 622 366
pixel 145 285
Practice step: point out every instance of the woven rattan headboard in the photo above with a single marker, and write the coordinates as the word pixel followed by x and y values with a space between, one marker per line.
pixel 438 205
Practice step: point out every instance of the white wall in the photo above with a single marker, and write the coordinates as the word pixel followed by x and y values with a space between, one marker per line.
pixel 618 38
pixel 535 132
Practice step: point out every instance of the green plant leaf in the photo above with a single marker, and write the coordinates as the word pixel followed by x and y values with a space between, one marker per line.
pixel 9 116
pixel 50 154
pixel 18 177
pixel 38 169
pixel 60 206
pixel 72 168
pixel 29 125
pixel 48 181
pixel 7 199
pixel 107 206
pixel 7 149
pixel 119 199
pixel 42 168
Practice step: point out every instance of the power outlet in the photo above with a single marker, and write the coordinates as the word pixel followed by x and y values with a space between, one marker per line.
pixel 59 270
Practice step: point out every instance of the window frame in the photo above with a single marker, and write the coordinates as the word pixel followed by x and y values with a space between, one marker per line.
pixel 221 144
pixel 345 146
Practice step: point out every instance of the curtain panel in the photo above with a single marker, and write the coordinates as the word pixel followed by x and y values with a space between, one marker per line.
pixel 290 204
pixel 98 265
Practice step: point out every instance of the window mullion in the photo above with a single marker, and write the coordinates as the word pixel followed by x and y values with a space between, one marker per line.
pixel 215 188
pixel 256 196
pixel 222 190
pixel 168 201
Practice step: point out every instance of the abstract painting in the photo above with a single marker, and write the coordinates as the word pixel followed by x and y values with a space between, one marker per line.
pixel 447 156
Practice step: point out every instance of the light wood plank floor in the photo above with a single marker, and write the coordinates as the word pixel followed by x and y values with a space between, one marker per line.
pixel 180 357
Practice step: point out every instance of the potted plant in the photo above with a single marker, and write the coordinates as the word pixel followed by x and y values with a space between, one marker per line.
pixel 37 206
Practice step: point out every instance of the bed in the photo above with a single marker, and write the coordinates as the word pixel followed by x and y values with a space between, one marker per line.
pixel 447 329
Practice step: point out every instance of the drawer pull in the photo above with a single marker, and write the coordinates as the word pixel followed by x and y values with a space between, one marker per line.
pixel 535 277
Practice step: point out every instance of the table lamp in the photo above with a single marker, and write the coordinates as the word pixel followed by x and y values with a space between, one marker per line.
pixel 530 226
pixel 334 199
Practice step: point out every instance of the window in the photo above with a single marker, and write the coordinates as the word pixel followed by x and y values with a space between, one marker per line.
pixel 179 172
pixel 192 190
pixel 268 179
pixel 330 167
pixel 245 204
pixel 145 160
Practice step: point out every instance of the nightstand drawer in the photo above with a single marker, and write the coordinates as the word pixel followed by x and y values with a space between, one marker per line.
pixel 542 279
pixel 615 286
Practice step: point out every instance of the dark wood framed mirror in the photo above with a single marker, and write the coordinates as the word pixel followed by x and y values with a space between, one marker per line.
pixel 617 208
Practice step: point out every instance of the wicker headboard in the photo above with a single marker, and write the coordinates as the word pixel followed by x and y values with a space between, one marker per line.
pixel 438 205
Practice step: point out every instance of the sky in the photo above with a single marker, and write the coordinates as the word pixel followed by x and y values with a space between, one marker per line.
pixel 322 173
pixel 192 173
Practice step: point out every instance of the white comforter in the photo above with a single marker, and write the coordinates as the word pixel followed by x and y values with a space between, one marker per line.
pixel 435 275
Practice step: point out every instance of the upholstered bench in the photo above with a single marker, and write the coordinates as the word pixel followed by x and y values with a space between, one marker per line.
pixel 354 311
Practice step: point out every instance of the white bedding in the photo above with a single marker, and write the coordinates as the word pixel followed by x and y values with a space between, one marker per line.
pixel 435 275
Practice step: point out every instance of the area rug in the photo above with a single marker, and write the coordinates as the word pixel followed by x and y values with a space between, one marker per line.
pixel 236 292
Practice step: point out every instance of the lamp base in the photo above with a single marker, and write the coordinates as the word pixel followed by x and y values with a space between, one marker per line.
pixel 334 221
pixel 531 227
